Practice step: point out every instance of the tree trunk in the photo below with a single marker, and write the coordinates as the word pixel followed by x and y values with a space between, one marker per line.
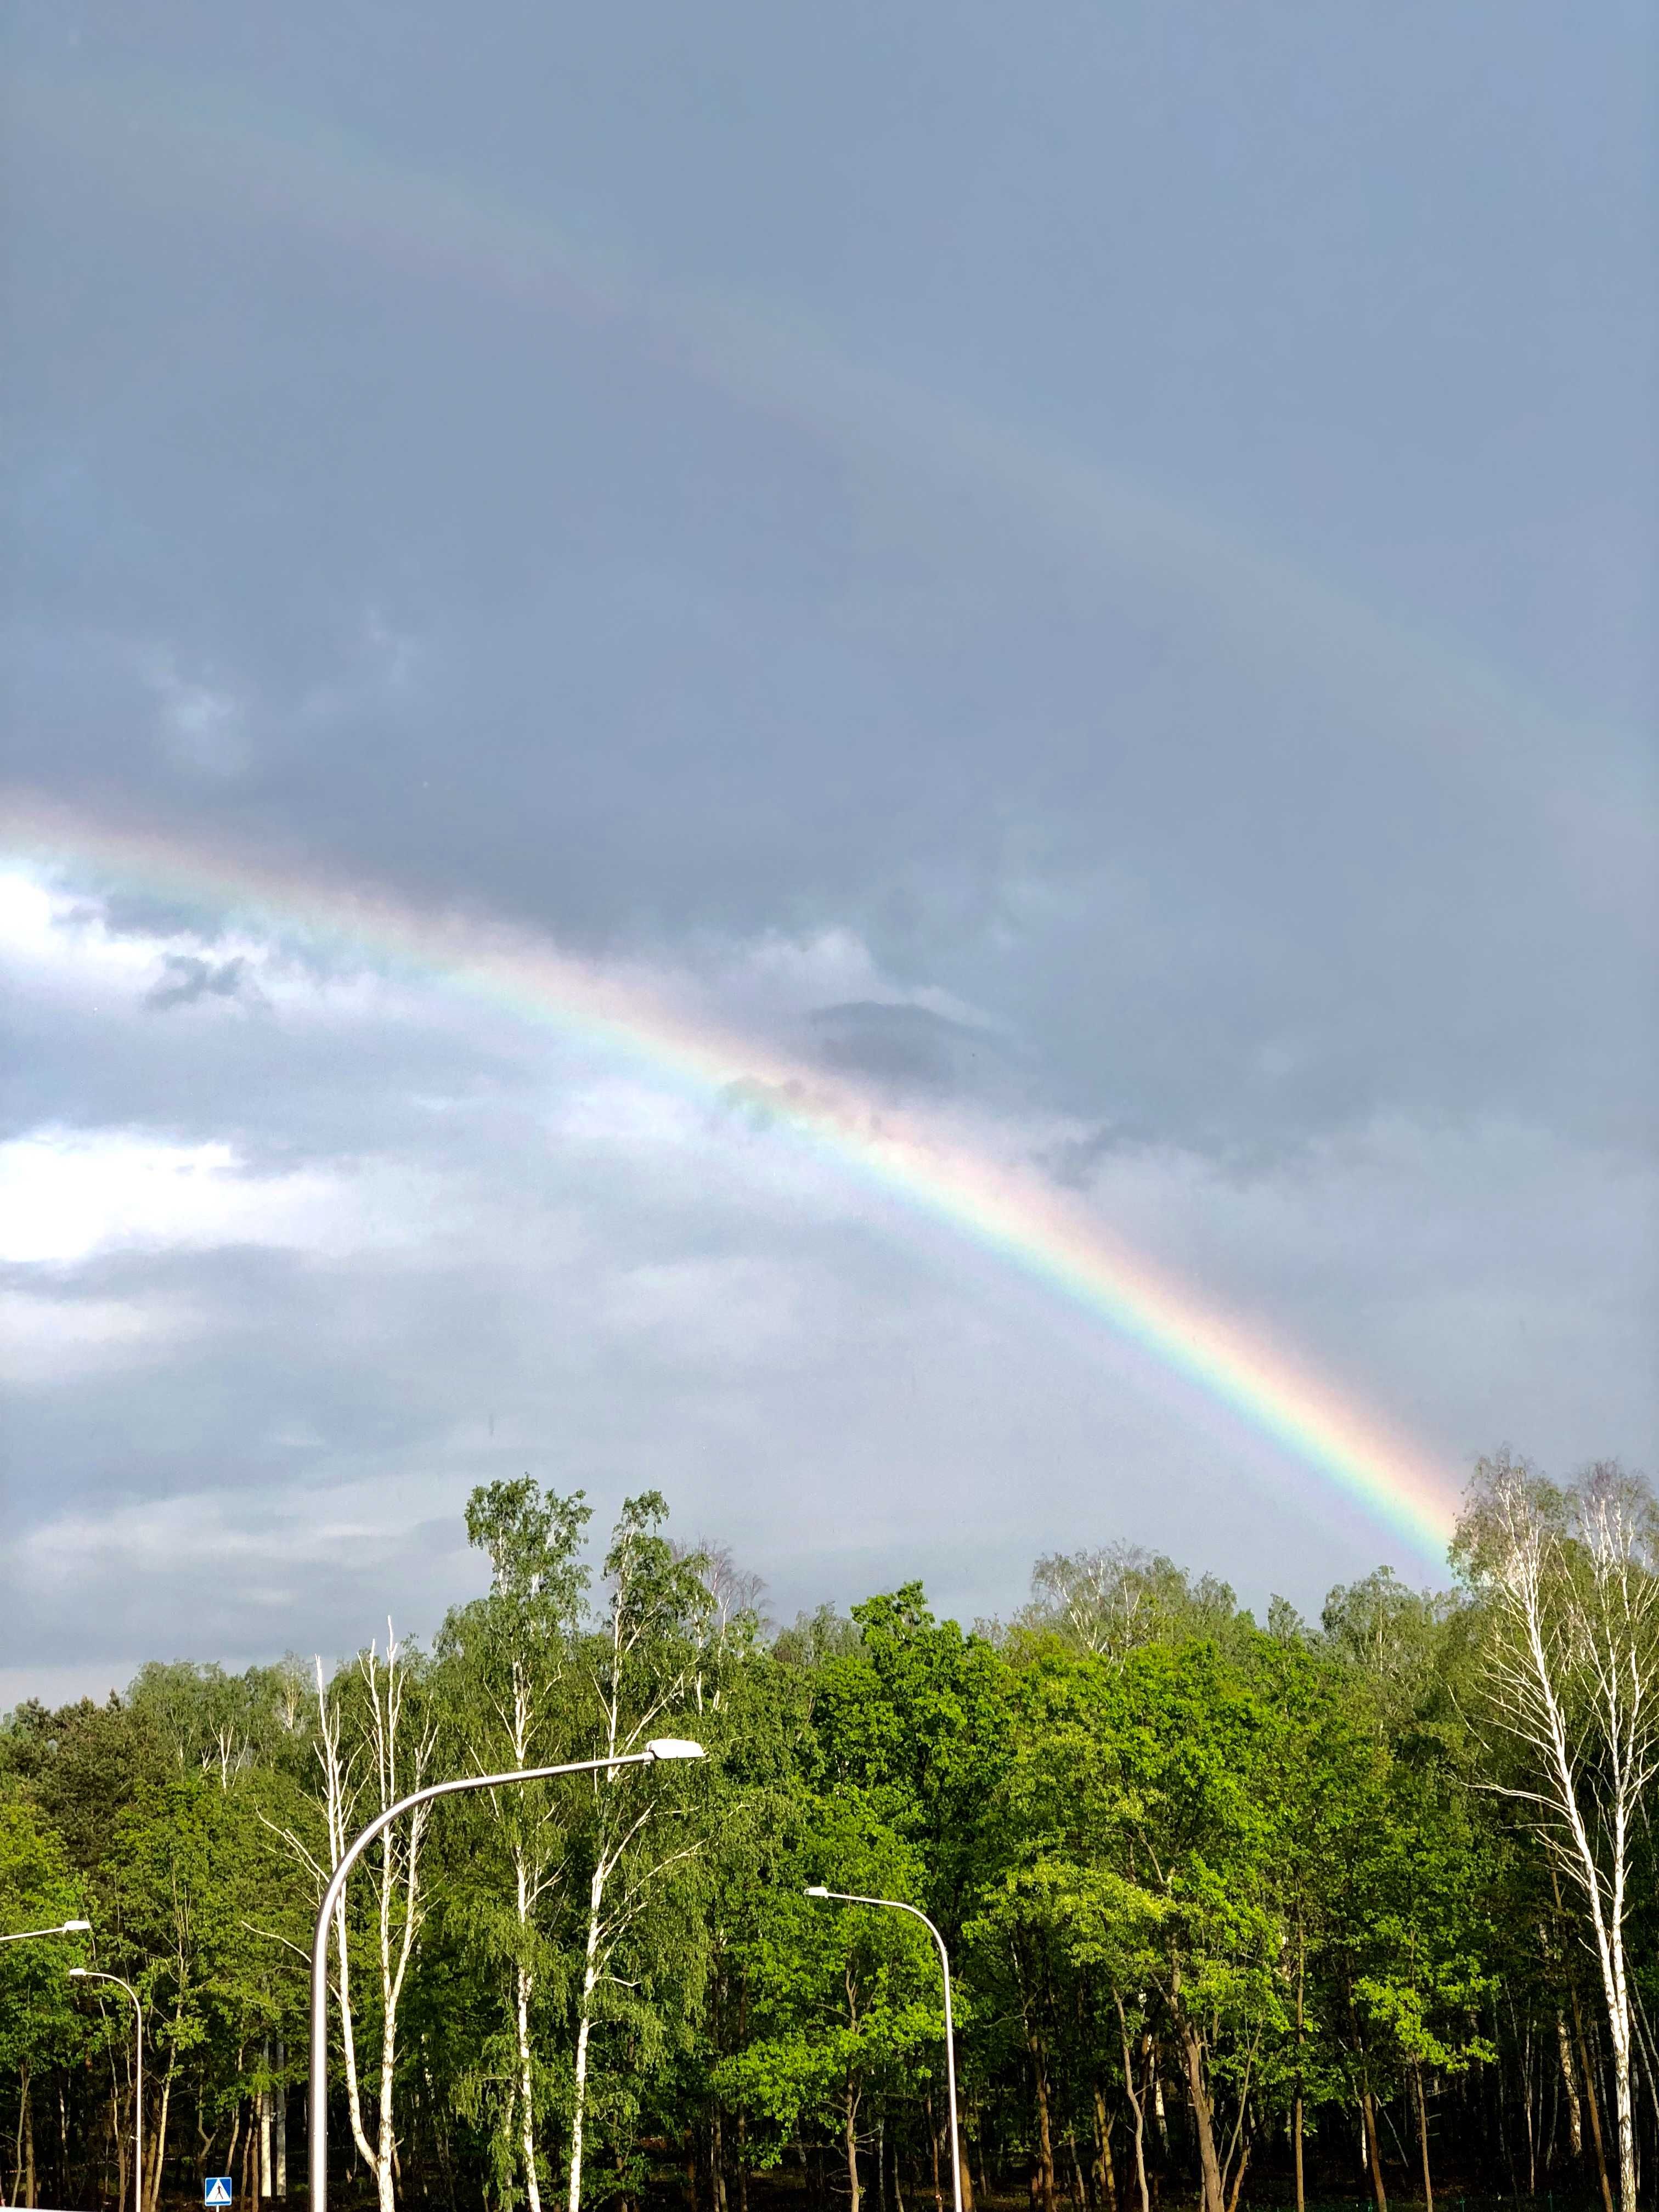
pixel 17 2142
pixel 526 2086
pixel 1045 2133
pixel 384 2179
pixel 157 2157
pixel 1620 2025
pixel 590 1978
pixel 27 2125
pixel 1105 2178
pixel 279 2136
pixel 850 2117
pixel 1296 2094
pixel 1136 2108
pixel 1203 2117
pixel 1423 2137
pixel 1237 2190
pixel 716 2162
pixel 1570 2084
pixel 1593 2105
pixel 122 2171
pixel 1373 2148
pixel 1079 2188
pixel 266 2119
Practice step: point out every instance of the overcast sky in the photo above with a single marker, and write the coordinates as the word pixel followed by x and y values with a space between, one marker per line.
pixel 1086 571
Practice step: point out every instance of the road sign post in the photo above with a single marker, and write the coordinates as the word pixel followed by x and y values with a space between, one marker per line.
pixel 217 2189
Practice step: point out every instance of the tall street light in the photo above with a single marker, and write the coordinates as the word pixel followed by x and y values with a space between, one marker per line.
pixel 87 1974
pixel 897 1904
pixel 69 1927
pixel 660 1747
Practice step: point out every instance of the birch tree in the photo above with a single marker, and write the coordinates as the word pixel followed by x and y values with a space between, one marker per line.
pixel 374 1744
pixel 509 1658
pixel 1571 1576
pixel 647 1659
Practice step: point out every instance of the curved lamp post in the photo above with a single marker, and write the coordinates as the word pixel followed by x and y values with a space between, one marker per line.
pixel 897 1904
pixel 87 1974
pixel 69 1927
pixel 660 1747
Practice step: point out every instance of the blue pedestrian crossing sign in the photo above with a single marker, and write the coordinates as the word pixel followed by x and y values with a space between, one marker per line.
pixel 215 2189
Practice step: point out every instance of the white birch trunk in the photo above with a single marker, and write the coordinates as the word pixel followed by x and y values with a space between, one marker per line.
pixel 399 1759
pixel 584 2025
pixel 527 2084
pixel 591 1956
pixel 1581 1628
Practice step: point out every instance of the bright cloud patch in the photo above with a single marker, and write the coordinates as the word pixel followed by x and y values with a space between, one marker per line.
pixel 66 1195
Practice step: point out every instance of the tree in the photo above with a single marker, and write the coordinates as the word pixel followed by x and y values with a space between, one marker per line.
pixel 1215 1899
pixel 1570 1580
pixel 38 2027
pixel 1145 1789
pixel 508 1660
pixel 375 1735
pixel 652 1650
pixel 843 1996
pixel 1110 1598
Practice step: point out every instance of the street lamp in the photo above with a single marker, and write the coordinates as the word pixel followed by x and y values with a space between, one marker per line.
pixel 659 1747
pixel 87 1974
pixel 69 1927
pixel 897 1904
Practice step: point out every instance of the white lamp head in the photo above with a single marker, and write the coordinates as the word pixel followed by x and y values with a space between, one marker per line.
pixel 75 1928
pixel 78 1973
pixel 816 1889
pixel 675 1746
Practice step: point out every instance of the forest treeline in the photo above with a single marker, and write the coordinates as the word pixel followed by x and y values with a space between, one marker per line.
pixel 1239 1912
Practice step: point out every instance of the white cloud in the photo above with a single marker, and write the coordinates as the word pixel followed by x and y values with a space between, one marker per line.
pixel 52 1339
pixel 67 1194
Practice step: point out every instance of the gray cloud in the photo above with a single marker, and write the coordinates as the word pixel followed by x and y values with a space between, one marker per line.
pixel 188 979
pixel 1166 583
pixel 631 651
pixel 908 1046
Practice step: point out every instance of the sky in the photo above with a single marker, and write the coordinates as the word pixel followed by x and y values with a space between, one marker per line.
pixel 1063 597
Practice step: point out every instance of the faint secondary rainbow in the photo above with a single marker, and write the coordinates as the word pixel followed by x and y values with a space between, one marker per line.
pixel 302 173
pixel 1009 1212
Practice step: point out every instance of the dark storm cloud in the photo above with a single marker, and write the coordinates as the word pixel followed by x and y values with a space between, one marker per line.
pixel 188 979
pixel 1074 1160
pixel 139 914
pixel 908 1045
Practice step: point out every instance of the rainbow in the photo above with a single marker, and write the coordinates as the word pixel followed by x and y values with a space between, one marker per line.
pixel 1008 1212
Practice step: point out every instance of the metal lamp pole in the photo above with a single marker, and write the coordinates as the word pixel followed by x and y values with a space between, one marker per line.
pixel 897 1904
pixel 69 1927
pixel 87 1974
pixel 661 1747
